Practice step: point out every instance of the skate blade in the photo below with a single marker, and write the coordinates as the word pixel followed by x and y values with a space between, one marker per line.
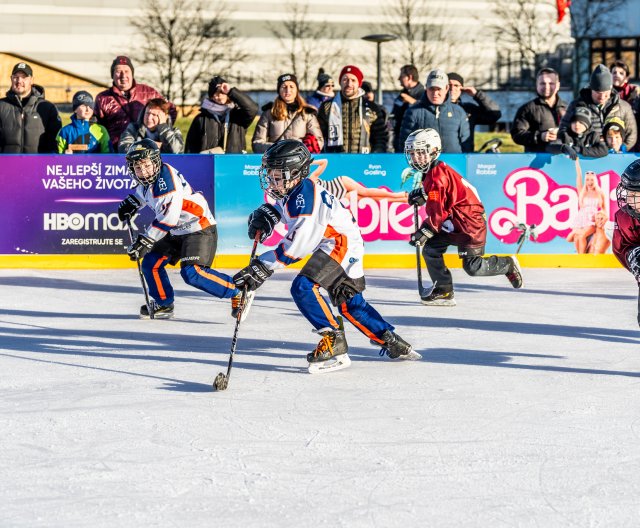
pixel 412 355
pixel 439 302
pixel 247 305
pixel 338 363
pixel 156 316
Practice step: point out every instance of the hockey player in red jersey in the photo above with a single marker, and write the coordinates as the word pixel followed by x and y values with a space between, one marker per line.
pixel 626 233
pixel 454 217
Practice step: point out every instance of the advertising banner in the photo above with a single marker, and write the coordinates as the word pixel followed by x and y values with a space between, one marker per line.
pixel 68 204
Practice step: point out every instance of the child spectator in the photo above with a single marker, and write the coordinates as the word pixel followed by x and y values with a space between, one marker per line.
pixel 83 134
pixel 579 138
pixel 153 123
pixel 613 132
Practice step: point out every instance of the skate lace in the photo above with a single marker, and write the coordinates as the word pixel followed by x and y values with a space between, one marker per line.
pixel 325 344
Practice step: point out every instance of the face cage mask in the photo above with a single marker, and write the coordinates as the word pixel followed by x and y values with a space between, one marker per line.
pixel 283 186
pixel 628 203
pixel 146 180
pixel 415 164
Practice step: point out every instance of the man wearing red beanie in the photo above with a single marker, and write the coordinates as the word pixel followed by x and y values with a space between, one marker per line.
pixel 349 122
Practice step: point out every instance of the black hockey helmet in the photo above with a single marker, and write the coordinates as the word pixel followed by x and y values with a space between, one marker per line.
pixel 284 165
pixel 138 153
pixel 628 190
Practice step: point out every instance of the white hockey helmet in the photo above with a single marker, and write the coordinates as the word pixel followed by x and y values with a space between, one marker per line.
pixel 422 148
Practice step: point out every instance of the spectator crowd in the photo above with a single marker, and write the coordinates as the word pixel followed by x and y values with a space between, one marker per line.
pixel 340 115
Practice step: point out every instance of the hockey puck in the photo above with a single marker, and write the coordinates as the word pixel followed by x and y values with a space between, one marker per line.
pixel 221 382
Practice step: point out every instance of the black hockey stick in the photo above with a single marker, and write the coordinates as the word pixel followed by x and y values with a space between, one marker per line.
pixel 144 284
pixel 222 381
pixel 416 221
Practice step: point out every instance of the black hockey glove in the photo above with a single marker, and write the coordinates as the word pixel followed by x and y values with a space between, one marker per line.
pixel 128 207
pixel 140 247
pixel 633 259
pixel 569 151
pixel 417 197
pixel 253 276
pixel 420 237
pixel 263 219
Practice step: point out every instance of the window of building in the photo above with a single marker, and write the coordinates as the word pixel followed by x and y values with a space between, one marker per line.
pixel 605 51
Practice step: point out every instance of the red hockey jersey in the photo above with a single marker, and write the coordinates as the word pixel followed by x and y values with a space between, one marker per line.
pixel 626 236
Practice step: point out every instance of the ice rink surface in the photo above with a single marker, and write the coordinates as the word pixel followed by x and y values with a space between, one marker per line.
pixel 525 410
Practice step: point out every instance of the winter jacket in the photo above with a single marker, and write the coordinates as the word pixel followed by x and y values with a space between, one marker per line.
pixel 374 121
pixel 295 126
pixel 83 132
pixel 317 98
pixel 614 107
pixel 534 118
pixel 207 130
pixel 115 110
pixel 481 110
pixel 398 111
pixel 28 125
pixel 588 144
pixel 165 133
pixel 448 119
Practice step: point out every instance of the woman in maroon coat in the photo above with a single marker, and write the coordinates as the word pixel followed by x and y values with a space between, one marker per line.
pixel 454 217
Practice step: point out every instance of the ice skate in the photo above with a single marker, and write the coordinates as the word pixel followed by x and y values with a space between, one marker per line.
pixel 515 274
pixel 394 347
pixel 331 352
pixel 235 305
pixel 439 296
pixel 159 312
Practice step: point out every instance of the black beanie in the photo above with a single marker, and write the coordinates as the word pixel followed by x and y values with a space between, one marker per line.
pixel 601 80
pixel 121 60
pixel 287 77
pixel 453 76
pixel 582 114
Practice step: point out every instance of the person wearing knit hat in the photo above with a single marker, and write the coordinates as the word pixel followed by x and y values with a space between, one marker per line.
pixel 122 104
pixel 83 135
pixel 325 90
pixel 601 79
pixel 350 122
pixel 369 94
pixel 613 132
pixel 582 115
pixel 580 137
pixel 481 109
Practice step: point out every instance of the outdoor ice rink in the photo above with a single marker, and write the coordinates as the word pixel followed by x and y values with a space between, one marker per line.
pixel 525 410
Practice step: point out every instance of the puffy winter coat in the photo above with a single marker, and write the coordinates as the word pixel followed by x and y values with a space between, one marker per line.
pixel 28 126
pixel 588 144
pixel 614 107
pixel 450 121
pixel 83 132
pixel 207 130
pixel 295 126
pixel 168 135
pixel 115 110
pixel 534 118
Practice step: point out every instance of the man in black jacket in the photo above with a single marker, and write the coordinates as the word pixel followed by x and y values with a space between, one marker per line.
pixel 221 126
pixel 536 123
pixel 412 91
pixel 28 123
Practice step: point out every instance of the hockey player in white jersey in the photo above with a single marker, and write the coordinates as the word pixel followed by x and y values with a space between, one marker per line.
pixel 318 224
pixel 183 230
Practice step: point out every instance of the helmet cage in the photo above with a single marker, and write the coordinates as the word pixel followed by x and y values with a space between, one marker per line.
pixel 628 200
pixel 422 148
pixel 278 183
pixel 137 157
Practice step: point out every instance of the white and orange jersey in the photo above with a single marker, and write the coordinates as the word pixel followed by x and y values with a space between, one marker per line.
pixel 316 220
pixel 178 209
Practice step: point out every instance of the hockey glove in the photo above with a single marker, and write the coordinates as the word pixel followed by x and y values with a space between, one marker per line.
pixel 420 237
pixel 569 151
pixel 633 259
pixel 128 207
pixel 417 197
pixel 263 219
pixel 140 247
pixel 253 276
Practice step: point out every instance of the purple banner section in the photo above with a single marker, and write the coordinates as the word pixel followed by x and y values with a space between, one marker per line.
pixel 60 204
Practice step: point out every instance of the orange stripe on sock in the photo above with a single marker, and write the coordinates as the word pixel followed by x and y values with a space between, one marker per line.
pixel 358 324
pixel 325 308
pixel 156 278
pixel 214 278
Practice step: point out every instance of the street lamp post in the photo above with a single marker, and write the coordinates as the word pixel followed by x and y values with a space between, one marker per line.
pixel 379 39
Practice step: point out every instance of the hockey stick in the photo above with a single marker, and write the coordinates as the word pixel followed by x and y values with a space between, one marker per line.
pixel 144 284
pixel 526 231
pixel 416 221
pixel 222 381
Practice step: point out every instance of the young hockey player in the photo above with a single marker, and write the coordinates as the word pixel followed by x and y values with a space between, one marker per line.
pixel 454 217
pixel 318 225
pixel 626 232
pixel 183 230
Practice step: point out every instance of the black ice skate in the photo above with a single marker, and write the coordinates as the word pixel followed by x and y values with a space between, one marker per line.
pixel 394 347
pixel 331 352
pixel 439 296
pixel 159 312
pixel 515 274
pixel 235 305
